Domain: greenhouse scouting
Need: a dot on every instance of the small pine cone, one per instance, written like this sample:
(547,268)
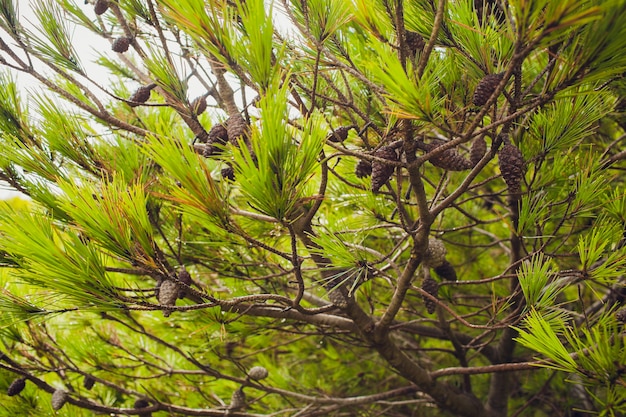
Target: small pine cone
(431,287)
(436,253)
(101,6)
(88,382)
(512,166)
(185,278)
(59,398)
(485,88)
(237,400)
(478,150)
(168,293)
(217,137)
(141,95)
(142,403)
(236,128)
(228,173)
(620,315)
(414,41)
(449,159)
(381,172)
(446,271)
(218,134)
(198,105)
(258,373)
(340,134)
(121,45)
(16,387)
(363,169)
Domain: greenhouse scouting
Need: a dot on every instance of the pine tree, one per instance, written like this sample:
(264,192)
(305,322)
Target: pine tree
(247,195)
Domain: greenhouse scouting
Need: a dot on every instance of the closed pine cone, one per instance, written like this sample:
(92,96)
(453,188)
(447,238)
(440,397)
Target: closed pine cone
(236,127)
(512,166)
(59,398)
(340,134)
(414,41)
(168,293)
(485,88)
(381,172)
(141,95)
(431,287)
(446,271)
(121,45)
(478,149)
(101,6)
(449,159)
(363,168)
(16,387)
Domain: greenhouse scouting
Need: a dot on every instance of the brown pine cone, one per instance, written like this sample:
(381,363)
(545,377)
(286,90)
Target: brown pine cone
(198,105)
(431,287)
(449,159)
(446,271)
(141,95)
(620,315)
(88,382)
(59,398)
(167,295)
(436,253)
(363,168)
(485,88)
(101,6)
(414,41)
(185,278)
(236,127)
(142,403)
(340,134)
(16,387)
(237,400)
(121,45)
(228,173)
(381,172)
(512,166)
(478,150)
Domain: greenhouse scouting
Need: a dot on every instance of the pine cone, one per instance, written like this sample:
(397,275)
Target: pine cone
(431,287)
(185,278)
(446,271)
(340,134)
(236,127)
(620,315)
(228,173)
(363,168)
(414,41)
(59,398)
(142,403)
(101,6)
(218,135)
(478,150)
(381,172)
(512,166)
(237,400)
(88,382)
(16,387)
(198,105)
(168,293)
(258,373)
(121,45)
(436,253)
(485,88)
(449,159)
(141,95)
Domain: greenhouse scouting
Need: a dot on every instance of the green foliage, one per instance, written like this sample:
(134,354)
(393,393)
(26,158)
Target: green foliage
(165,249)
